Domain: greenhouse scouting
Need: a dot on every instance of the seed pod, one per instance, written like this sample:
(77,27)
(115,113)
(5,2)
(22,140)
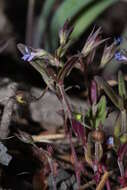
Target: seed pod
(98,136)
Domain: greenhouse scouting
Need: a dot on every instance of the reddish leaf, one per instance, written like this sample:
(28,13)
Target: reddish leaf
(93,92)
(79,130)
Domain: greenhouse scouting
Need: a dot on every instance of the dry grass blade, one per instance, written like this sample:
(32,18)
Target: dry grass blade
(88,185)
(103,181)
(43,137)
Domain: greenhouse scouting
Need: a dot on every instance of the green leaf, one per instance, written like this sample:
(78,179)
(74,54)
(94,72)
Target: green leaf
(71,9)
(121,85)
(97,114)
(67,10)
(49,80)
(89,117)
(86,18)
(123,121)
(123,138)
(116,100)
(117,128)
(121,124)
(101,112)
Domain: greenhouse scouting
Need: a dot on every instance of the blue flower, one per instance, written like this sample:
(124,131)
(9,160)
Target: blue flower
(120,57)
(110,141)
(28,56)
(118,40)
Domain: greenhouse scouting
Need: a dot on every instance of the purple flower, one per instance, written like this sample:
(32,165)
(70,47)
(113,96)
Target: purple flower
(120,57)
(110,141)
(28,56)
(118,40)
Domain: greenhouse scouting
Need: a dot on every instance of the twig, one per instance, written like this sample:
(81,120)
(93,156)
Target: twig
(41,96)
(7,113)
(103,181)
(87,185)
(41,138)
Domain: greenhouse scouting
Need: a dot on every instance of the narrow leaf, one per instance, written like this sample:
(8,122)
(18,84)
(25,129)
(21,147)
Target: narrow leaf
(117,128)
(67,68)
(87,17)
(44,73)
(123,121)
(101,111)
(68,9)
(79,130)
(121,85)
(71,8)
(117,101)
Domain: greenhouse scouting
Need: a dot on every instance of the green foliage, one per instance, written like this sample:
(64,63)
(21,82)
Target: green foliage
(81,13)
(101,111)
(116,99)
(117,128)
(97,114)
(121,85)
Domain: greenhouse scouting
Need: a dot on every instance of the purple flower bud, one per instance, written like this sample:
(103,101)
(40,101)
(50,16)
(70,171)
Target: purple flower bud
(92,42)
(93,92)
(108,54)
(79,130)
(120,57)
(65,32)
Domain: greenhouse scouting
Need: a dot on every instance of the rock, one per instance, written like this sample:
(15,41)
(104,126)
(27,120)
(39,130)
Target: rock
(45,110)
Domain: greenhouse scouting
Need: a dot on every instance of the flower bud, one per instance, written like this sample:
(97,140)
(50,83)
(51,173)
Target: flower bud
(93,92)
(98,135)
(108,54)
(92,42)
(65,33)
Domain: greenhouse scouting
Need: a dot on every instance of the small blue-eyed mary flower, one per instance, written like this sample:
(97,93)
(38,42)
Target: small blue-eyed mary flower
(28,56)
(120,56)
(65,32)
(110,141)
(118,41)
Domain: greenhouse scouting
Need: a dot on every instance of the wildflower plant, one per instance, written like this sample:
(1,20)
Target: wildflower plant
(88,128)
